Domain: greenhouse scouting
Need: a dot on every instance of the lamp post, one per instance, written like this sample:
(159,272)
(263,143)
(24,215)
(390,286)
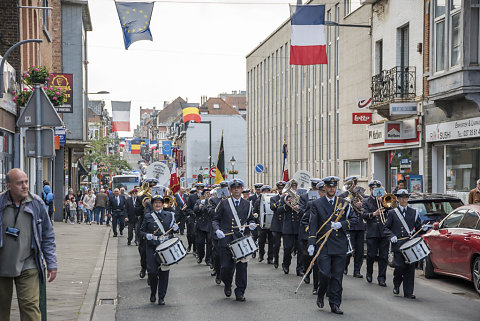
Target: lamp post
(232,161)
(200,175)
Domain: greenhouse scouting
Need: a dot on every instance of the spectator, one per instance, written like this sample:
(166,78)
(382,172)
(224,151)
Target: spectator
(26,238)
(400,185)
(67,213)
(474,195)
(101,203)
(89,203)
(117,211)
(47,197)
(79,201)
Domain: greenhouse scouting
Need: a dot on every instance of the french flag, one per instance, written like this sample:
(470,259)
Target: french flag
(308,44)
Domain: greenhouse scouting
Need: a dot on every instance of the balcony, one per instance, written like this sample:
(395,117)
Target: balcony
(394,85)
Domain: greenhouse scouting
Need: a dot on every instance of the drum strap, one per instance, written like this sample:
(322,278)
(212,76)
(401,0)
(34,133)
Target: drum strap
(402,220)
(235,215)
(160,225)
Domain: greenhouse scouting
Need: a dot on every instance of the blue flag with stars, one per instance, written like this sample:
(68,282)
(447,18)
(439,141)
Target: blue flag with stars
(135,21)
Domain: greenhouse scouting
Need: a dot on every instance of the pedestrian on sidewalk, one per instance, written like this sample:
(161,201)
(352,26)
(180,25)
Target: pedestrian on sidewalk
(66,205)
(26,238)
(89,203)
(47,197)
(101,203)
(70,207)
(117,210)
(79,201)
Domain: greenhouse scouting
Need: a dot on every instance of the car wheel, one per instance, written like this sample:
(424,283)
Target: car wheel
(476,274)
(428,268)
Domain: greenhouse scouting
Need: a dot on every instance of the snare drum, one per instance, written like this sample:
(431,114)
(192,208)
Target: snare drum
(266,214)
(414,250)
(170,252)
(243,247)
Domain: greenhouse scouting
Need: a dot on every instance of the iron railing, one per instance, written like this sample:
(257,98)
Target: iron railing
(393,84)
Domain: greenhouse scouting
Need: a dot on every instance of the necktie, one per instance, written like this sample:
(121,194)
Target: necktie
(331,202)
(118,200)
(236,203)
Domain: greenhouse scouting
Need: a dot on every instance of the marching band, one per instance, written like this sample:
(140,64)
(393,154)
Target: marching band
(322,227)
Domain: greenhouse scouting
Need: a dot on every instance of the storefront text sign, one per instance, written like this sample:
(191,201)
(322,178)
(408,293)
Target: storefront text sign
(403,108)
(460,129)
(64,82)
(361,118)
(376,134)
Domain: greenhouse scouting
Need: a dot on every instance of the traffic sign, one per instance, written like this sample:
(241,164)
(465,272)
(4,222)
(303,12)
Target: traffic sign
(99,176)
(259,168)
(50,117)
(48,148)
(213,171)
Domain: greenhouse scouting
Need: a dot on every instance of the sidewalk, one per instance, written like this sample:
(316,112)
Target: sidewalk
(81,253)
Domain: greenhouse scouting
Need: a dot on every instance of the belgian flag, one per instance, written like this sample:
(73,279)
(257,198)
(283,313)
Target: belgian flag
(220,173)
(191,112)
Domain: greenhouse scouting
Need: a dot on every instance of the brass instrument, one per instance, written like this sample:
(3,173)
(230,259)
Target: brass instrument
(145,190)
(169,200)
(355,195)
(389,201)
(291,199)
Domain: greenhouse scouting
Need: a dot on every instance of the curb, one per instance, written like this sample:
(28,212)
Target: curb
(88,306)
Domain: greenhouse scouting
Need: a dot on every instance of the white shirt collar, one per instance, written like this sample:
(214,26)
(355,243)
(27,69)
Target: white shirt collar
(236,200)
(330,199)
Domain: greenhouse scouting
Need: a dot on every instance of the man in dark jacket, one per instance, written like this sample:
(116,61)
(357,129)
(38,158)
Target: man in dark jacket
(264,234)
(290,228)
(202,235)
(133,208)
(181,198)
(117,210)
(192,200)
(277,222)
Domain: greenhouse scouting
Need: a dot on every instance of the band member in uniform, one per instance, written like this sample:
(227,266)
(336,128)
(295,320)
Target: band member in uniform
(146,208)
(264,234)
(203,223)
(291,225)
(304,211)
(195,194)
(231,213)
(181,198)
(398,234)
(377,241)
(246,194)
(277,222)
(213,204)
(331,260)
(155,234)
(356,232)
(253,198)
(133,209)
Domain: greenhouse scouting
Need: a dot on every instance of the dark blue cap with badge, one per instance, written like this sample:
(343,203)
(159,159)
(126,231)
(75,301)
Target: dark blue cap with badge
(266,187)
(157,198)
(224,184)
(199,185)
(320,185)
(331,181)
(152,181)
(402,193)
(280,184)
(236,183)
(258,185)
(315,181)
(351,178)
(374,183)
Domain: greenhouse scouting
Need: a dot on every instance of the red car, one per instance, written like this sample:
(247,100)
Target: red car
(455,245)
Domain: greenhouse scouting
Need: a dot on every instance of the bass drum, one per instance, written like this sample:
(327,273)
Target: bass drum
(266,214)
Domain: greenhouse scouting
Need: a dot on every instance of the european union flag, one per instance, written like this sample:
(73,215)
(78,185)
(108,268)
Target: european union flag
(135,21)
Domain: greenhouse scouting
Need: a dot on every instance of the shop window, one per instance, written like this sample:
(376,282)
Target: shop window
(462,167)
(356,168)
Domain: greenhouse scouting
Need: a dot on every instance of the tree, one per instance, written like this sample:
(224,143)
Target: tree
(97,153)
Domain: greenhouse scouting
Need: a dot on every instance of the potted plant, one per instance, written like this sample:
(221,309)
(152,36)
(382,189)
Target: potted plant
(36,75)
(56,96)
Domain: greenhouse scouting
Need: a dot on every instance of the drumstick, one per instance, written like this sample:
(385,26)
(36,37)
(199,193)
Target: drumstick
(243,226)
(166,231)
(411,237)
(325,238)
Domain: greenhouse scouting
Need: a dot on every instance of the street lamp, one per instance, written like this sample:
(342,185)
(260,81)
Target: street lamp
(232,161)
(101,92)
(200,176)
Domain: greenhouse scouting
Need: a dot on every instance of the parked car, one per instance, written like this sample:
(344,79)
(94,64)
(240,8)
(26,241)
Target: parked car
(455,246)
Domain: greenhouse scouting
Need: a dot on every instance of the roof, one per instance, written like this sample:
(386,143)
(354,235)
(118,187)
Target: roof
(223,107)
(239,101)
(171,111)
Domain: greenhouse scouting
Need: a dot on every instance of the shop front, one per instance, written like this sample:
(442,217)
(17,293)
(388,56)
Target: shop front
(396,154)
(455,153)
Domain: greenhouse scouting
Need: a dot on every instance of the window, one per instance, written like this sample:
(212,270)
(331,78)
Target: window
(469,220)
(216,106)
(455,42)
(462,167)
(448,33)
(350,5)
(356,167)
(453,220)
(439,16)
(474,32)
(378,56)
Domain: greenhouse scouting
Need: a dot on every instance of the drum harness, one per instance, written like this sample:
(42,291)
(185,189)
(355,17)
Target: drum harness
(235,215)
(160,226)
(402,220)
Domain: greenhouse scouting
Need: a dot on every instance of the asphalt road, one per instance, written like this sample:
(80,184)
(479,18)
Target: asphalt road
(193,295)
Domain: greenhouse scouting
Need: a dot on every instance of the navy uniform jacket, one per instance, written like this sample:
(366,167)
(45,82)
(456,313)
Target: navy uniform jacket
(253,198)
(149,226)
(201,216)
(304,211)
(291,219)
(394,227)
(192,200)
(277,219)
(360,226)
(225,221)
(178,210)
(321,212)
(374,224)
(212,205)
(115,208)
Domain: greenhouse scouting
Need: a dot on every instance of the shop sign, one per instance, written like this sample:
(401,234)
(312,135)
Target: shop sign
(65,83)
(361,118)
(376,134)
(364,104)
(460,129)
(403,108)
(399,130)
(405,163)
(60,132)
(10,85)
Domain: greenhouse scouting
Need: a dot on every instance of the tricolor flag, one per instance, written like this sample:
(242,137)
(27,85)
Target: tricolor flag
(308,44)
(153,144)
(121,116)
(191,112)
(220,173)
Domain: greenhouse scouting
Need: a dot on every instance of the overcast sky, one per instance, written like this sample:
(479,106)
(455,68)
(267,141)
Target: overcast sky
(197,49)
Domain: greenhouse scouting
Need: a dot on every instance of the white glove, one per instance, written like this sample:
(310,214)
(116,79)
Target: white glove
(311,249)
(162,239)
(175,227)
(426,227)
(149,236)
(252,226)
(336,225)
(393,239)
(220,234)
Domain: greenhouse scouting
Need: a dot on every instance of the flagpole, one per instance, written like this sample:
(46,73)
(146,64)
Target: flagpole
(284,158)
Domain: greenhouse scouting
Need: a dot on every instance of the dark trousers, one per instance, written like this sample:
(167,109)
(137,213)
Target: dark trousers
(191,234)
(277,239)
(142,250)
(291,243)
(158,281)
(356,239)
(377,246)
(264,236)
(228,267)
(203,242)
(181,224)
(216,257)
(403,273)
(137,230)
(330,272)
(307,259)
(131,227)
(118,219)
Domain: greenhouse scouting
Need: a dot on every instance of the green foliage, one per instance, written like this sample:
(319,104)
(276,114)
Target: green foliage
(97,152)
(36,75)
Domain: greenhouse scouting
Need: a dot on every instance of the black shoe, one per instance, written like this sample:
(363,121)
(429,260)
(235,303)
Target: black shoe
(213,273)
(254,255)
(307,280)
(369,278)
(260,258)
(114,235)
(228,291)
(218,281)
(345,271)
(181,233)
(315,292)
(199,261)
(396,290)
(335,309)
(269,261)
(275,264)
(142,273)
(189,248)
(285,268)
(152,298)
(320,303)
(240,298)
(299,273)
(161,302)
(382,283)
(129,243)
(410,296)
(121,233)
(136,243)
(358,275)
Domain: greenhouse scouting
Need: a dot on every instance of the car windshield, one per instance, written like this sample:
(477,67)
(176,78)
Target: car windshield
(439,208)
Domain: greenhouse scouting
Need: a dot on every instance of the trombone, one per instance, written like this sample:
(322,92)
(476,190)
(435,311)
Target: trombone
(388,201)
